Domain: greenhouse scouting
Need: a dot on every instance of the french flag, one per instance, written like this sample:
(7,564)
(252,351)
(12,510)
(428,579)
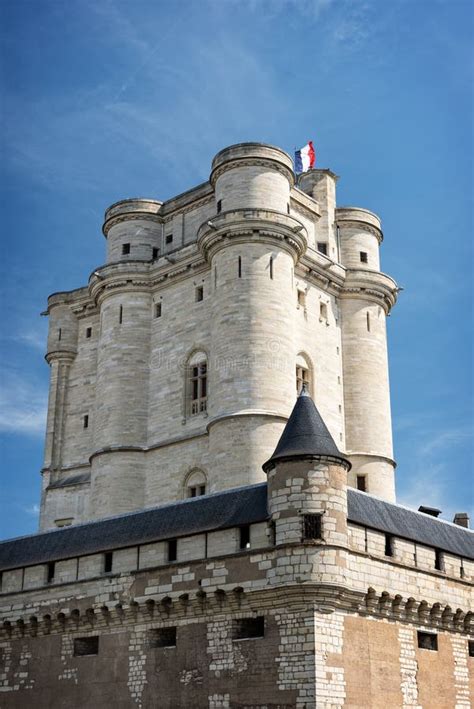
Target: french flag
(305,158)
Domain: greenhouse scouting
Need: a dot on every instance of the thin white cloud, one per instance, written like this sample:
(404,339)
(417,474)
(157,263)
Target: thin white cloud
(32,510)
(23,405)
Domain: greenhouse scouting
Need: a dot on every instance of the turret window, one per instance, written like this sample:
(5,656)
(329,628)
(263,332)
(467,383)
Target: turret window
(244,537)
(323,247)
(323,312)
(219,206)
(362,483)
(195,484)
(157,310)
(155,253)
(427,641)
(169,238)
(199,294)
(88,332)
(196,385)
(312,526)
(302,377)
(85,421)
(301,299)
(364,258)
(303,373)
(125,249)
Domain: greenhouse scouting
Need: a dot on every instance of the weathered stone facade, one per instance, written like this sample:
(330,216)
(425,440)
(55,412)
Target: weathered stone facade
(299,593)
(253,241)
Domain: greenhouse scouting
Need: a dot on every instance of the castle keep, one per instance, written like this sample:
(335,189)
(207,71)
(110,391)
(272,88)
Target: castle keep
(218,523)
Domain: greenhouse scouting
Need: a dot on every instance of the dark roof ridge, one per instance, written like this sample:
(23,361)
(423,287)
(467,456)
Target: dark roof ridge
(410,509)
(154,508)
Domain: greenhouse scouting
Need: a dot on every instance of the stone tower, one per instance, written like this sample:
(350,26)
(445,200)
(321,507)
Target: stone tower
(174,371)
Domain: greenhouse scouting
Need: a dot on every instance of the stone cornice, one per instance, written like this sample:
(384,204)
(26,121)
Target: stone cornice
(360,219)
(256,225)
(370,285)
(198,606)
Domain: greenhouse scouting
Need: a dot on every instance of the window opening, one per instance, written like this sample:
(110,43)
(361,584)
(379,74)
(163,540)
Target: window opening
(50,571)
(161,637)
(362,483)
(364,257)
(86,646)
(108,559)
(125,249)
(388,545)
(302,377)
(323,247)
(427,641)
(247,628)
(198,387)
(312,526)
(172,550)
(244,540)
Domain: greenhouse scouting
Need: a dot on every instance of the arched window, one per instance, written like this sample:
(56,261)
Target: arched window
(196,384)
(195,484)
(303,373)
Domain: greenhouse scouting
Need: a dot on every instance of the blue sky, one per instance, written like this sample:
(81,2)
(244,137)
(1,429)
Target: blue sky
(105,99)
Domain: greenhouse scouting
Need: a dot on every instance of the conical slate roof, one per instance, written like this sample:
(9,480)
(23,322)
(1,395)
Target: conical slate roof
(305,435)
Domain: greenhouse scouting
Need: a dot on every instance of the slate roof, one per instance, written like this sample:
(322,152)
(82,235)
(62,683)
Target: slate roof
(232,508)
(305,434)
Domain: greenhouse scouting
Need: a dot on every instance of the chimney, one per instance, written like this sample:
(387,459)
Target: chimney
(462,519)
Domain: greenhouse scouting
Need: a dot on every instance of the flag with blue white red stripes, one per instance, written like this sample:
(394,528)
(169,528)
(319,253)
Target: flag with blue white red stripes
(305,158)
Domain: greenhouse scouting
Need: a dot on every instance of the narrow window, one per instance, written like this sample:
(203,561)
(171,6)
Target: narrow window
(388,545)
(199,294)
(198,388)
(439,565)
(85,421)
(86,646)
(361,483)
(301,299)
(157,310)
(202,489)
(161,637)
(88,332)
(125,249)
(155,253)
(240,267)
(368,321)
(312,526)
(244,539)
(50,571)
(427,641)
(288,208)
(364,257)
(108,558)
(219,206)
(247,628)
(121,314)
(215,277)
(272,532)
(172,550)
(323,311)
(271,267)
(192,491)
(59,334)
(302,377)
(323,247)
(169,238)
(470,645)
